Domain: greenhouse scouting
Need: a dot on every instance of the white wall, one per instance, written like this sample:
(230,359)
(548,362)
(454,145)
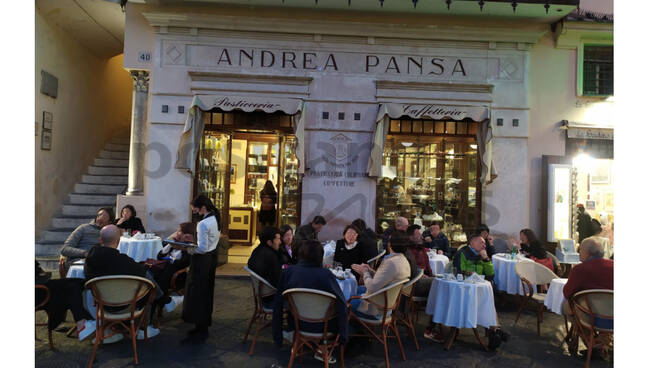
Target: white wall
(92,105)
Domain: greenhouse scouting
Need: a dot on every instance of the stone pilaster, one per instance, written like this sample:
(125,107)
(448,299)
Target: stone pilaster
(138,132)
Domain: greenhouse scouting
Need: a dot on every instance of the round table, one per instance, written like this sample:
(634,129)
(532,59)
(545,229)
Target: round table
(506,278)
(348,286)
(461,304)
(140,249)
(438,262)
(555,297)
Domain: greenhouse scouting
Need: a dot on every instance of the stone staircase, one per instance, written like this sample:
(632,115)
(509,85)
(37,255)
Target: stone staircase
(105,178)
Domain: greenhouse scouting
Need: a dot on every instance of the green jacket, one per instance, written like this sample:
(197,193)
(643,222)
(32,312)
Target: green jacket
(467,261)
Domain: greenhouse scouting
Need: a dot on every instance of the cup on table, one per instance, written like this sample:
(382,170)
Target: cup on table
(459,277)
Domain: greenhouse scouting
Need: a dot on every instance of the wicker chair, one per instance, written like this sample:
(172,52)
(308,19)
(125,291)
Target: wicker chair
(260,289)
(532,274)
(385,300)
(587,307)
(40,307)
(125,292)
(407,313)
(373,262)
(312,306)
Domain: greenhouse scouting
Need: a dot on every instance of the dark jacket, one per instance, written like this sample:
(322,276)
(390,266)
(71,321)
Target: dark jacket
(106,261)
(585,228)
(490,249)
(346,257)
(131,225)
(440,242)
(305,232)
(285,258)
(265,261)
(369,241)
(306,275)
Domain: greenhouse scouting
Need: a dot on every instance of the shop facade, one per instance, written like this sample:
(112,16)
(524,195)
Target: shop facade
(424,125)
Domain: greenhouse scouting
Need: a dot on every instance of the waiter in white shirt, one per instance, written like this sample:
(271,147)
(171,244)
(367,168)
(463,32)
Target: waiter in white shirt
(198,301)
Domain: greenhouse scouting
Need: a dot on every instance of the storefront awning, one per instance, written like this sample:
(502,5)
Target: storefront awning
(585,131)
(387,111)
(193,130)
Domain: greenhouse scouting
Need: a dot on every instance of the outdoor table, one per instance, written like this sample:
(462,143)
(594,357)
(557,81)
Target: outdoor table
(348,286)
(438,262)
(506,278)
(461,304)
(140,249)
(77,271)
(555,296)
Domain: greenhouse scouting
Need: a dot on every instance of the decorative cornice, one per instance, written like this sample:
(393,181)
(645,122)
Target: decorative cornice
(336,28)
(140,80)
(250,79)
(431,86)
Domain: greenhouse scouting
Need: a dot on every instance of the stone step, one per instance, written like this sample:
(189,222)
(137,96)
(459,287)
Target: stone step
(113,154)
(70,222)
(78,210)
(47,249)
(105,179)
(120,140)
(110,162)
(100,200)
(54,236)
(50,264)
(99,188)
(117,147)
(100,170)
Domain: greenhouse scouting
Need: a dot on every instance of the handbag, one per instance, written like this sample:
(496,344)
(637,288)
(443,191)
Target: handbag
(156,265)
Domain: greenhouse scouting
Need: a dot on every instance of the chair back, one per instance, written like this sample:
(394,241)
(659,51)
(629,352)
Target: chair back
(373,261)
(408,288)
(534,273)
(500,245)
(555,263)
(260,288)
(41,293)
(591,304)
(119,290)
(311,305)
(386,298)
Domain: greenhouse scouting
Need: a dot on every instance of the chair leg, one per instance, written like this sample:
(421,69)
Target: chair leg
(341,355)
(294,351)
(133,330)
(398,339)
(453,333)
(98,339)
(387,358)
(481,341)
(256,334)
(590,347)
(412,331)
(247,333)
(50,339)
(520,308)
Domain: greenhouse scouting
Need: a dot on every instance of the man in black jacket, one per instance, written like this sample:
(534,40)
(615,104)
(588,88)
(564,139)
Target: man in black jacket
(311,230)
(265,259)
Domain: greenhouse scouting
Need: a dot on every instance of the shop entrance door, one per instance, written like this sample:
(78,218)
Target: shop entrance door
(235,163)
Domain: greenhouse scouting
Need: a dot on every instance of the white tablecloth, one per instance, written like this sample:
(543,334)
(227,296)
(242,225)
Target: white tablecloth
(506,278)
(461,304)
(438,263)
(555,297)
(140,250)
(78,272)
(348,287)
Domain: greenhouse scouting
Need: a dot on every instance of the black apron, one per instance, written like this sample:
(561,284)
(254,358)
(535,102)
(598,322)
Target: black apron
(198,300)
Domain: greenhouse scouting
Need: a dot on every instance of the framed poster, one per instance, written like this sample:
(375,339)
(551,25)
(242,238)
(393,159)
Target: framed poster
(234,169)
(46,140)
(601,173)
(48,120)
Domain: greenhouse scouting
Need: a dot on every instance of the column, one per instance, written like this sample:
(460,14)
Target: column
(138,132)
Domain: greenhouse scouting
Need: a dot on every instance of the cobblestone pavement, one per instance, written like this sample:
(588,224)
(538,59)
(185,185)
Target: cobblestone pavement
(233,308)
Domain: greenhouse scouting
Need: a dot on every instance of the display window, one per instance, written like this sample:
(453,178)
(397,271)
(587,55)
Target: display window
(240,152)
(431,172)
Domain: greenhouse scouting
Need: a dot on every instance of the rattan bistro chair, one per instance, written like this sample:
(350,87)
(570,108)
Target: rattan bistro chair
(373,262)
(386,300)
(312,306)
(44,292)
(532,274)
(406,313)
(121,301)
(587,306)
(260,289)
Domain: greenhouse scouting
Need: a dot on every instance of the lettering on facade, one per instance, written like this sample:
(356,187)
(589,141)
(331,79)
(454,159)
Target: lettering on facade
(229,104)
(419,111)
(322,61)
(586,133)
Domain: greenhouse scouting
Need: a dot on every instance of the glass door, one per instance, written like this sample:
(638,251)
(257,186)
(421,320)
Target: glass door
(289,208)
(212,170)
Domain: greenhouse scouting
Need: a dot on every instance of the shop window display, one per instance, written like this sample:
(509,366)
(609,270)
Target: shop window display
(430,173)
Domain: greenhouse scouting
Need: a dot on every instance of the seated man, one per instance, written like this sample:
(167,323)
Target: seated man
(309,231)
(105,260)
(436,239)
(85,236)
(400,225)
(594,272)
(484,232)
(309,274)
(473,258)
(265,260)
(417,249)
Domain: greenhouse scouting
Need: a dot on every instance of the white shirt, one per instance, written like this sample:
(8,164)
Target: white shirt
(208,235)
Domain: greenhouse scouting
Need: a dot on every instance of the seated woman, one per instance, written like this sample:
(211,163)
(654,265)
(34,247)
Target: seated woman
(349,251)
(538,254)
(178,259)
(128,220)
(396,267)
(286,248)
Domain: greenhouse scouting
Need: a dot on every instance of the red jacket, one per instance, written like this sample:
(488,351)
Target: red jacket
(421,259)
(547,262)
(596,273)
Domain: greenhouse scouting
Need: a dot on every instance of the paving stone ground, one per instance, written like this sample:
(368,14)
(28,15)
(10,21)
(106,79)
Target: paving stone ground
(233,308)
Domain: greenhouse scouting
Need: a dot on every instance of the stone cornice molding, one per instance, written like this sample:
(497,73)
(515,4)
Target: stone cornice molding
(250,79)
(570,35)
(140,80)
(163,20)
(431,86)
